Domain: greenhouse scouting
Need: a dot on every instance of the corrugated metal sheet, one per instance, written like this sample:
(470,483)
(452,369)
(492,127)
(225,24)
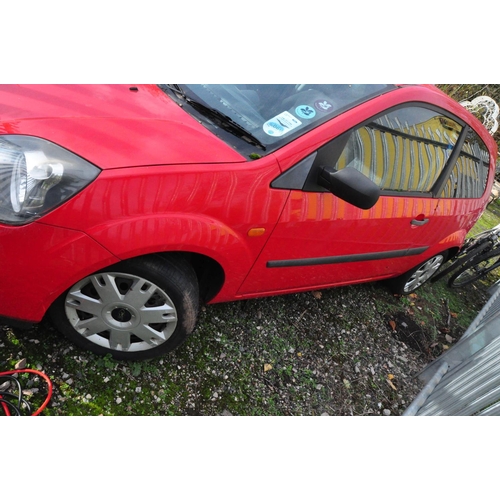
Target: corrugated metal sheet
(465,380)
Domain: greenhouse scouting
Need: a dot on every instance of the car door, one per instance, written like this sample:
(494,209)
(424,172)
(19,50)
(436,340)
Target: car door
(321,240)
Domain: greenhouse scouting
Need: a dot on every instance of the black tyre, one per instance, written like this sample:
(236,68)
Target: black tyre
(475,270)
(463,258)
(137,309)
(416,277)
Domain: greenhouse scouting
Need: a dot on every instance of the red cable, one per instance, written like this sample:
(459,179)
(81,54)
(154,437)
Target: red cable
(5,408)
(36,372)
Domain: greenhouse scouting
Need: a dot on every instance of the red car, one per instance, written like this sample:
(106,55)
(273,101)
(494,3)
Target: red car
(122,207)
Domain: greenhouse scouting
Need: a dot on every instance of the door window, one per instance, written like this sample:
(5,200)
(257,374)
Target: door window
(404,150)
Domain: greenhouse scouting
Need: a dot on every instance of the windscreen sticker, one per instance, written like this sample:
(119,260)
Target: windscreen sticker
(323,105)
(305,111)
(281,124)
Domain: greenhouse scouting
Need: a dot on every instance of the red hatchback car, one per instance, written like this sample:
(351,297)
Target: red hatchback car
(122,208)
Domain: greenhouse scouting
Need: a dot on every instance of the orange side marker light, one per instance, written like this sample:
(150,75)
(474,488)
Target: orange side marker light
(256,231)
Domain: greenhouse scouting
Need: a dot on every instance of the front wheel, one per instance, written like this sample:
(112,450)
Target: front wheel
(134,310)
(416,277)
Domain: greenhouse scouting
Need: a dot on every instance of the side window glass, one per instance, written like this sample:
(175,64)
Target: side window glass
(470,174)
(404,150)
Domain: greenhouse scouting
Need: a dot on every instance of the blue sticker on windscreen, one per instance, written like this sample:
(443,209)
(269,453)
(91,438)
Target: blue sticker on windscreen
(305,111)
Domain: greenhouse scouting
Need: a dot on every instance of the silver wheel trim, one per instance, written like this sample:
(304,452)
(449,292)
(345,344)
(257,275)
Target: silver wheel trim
(423,273)
(125,313)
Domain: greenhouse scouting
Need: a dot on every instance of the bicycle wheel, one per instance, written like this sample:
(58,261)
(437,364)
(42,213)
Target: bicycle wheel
(476,269)
(467,254)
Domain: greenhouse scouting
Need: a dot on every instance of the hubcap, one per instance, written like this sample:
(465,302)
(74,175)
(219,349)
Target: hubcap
(121,315)
(121,312)
(423,273)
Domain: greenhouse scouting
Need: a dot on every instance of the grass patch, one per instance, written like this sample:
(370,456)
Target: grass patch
(489,219)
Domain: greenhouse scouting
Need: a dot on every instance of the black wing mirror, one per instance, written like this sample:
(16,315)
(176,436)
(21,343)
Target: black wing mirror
(350,185)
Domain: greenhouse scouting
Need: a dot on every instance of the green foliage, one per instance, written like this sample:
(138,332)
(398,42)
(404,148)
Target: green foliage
(467,92)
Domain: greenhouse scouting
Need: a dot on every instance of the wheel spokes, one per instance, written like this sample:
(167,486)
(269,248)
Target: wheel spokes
(150,335)
(91,326)
(84,303)
(119,340)
(106,287)
(139,293)
(423,273)
(160,314)
(121,311)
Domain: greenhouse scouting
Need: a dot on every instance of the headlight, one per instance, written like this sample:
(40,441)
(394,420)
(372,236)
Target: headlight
(36,176)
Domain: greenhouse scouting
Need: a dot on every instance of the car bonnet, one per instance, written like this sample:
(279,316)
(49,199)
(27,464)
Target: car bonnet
(111,126)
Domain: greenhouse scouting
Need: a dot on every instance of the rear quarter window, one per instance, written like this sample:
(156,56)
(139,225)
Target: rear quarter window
(469,175)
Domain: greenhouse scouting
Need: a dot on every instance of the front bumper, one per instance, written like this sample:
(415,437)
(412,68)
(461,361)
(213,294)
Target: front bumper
(16,323)
(38,263)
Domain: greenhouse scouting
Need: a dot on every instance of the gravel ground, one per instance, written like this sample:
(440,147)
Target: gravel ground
(347,351)
(318,359)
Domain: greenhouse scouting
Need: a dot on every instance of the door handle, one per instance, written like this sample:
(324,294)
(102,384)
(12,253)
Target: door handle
(419,222)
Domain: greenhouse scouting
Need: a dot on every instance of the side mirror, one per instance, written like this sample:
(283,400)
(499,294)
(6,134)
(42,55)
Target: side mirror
(350,185)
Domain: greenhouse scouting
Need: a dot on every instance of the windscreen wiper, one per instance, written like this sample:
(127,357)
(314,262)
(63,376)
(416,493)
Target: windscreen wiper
(216,117)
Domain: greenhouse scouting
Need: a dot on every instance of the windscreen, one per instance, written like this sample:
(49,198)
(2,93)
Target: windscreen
(275,114)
